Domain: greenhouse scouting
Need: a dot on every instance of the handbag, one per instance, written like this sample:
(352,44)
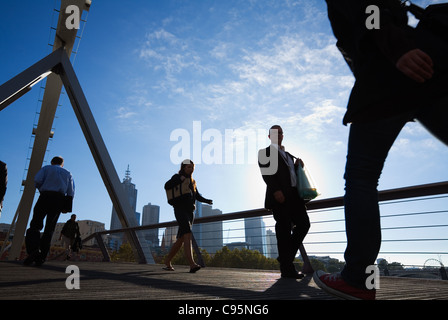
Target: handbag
(305,185)
(67,205)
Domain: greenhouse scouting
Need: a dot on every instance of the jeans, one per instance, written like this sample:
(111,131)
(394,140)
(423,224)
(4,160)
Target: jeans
(368,147)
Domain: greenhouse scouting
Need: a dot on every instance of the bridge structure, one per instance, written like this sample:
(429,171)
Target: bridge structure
(105,279)
(58,70)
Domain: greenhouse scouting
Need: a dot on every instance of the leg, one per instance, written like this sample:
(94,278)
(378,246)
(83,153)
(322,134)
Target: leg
(301,225)
(283,228)
(68,245)
(50,225)
(54,205)
(32,239)
(188,250)
(174,249)
(368,147)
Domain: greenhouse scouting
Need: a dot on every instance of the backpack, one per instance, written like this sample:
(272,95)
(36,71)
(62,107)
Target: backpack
(178,192)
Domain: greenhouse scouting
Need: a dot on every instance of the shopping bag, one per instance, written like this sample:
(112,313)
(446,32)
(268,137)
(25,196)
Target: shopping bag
(305,185)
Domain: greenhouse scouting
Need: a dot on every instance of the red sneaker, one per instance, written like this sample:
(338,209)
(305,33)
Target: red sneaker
(335,285)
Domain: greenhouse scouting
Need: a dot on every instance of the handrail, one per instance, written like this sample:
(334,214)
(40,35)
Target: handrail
(384,195)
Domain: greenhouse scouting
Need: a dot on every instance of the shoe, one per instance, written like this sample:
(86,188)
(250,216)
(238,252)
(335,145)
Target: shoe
(32,257)
(195,268)
(293,275)
(168,268)
(289,271)
(39,261)
(335,285)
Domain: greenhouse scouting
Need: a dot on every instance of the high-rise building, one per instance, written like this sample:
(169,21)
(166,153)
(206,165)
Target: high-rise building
(209,236)
(131,195)
(115,240)
(271,245)
(255,234)
(151,214)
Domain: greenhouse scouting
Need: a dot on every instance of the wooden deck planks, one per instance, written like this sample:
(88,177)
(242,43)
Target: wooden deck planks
(110,281)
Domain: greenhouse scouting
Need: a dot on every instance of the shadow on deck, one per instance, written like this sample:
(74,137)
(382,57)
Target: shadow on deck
(127,281)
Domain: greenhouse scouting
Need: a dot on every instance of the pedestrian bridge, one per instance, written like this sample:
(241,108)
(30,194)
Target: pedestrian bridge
(108,280)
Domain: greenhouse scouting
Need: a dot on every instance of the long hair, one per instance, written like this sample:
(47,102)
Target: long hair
(182,172)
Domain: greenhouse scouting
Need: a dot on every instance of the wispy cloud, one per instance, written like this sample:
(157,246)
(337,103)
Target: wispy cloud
(280,72)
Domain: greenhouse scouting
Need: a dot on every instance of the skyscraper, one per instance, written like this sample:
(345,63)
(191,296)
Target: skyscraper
(271,245)
(209,236)
(255,234)
(131,192)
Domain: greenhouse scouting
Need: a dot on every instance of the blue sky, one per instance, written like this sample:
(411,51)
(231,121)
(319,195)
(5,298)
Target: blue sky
(149,68)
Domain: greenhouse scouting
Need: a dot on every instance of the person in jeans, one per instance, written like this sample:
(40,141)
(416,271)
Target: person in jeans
(397,81)
(69,232)
(54,184)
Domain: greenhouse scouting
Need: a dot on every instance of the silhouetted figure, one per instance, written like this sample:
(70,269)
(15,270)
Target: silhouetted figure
(397,81)
(55,184)
(3,182)
(292,223)
(184,205)
(69,233)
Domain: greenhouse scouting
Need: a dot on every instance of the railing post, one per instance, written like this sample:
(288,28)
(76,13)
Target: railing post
(307,268)
(443,274)
(197,251)
(99,240)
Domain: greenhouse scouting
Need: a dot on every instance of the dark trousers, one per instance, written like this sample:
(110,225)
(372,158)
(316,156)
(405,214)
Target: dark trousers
(292,225)
(368,147)
(48,205)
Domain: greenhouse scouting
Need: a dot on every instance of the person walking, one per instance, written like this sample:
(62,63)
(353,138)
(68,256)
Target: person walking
(56,188)
(183,203)
(292,222)
(69,233)
(3,183)
(397,81)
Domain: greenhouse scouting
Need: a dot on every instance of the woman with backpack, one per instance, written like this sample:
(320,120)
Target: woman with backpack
(182,194)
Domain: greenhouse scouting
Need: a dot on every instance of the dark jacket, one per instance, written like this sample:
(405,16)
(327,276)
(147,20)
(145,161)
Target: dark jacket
(279,179)
(71,229)
(188,200)
(3,180)
(380,89)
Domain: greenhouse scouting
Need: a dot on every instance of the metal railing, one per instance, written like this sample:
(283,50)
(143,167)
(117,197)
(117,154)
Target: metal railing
(393,196)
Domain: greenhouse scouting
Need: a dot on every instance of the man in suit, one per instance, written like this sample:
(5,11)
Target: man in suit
(292,223)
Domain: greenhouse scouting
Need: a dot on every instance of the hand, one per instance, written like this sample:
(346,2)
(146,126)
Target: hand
(182,178)
(416,65)
(279,196)
(210,202)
